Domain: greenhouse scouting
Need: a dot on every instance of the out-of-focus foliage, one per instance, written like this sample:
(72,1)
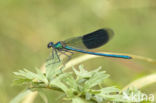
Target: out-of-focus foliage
(26,26)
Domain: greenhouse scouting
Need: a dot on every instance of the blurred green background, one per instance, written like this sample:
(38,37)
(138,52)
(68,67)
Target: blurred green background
(26,26)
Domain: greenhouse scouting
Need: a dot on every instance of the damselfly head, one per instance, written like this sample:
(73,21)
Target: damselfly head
(50,44)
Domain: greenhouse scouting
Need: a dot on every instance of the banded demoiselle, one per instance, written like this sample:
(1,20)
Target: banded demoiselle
(84,43)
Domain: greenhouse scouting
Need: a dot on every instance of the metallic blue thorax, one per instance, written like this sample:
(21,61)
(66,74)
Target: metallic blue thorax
(58,45)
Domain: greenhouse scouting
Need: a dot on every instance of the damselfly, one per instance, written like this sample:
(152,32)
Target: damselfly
(84,43)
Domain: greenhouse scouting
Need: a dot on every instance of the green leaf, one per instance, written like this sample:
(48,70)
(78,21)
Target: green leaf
(21,81)
(82,73)
(52,71)
(41,76)
(70,82)
(109,90)
(111,94)
(53,67)
(78,100)
(58,82)
(26,74)
(96,79)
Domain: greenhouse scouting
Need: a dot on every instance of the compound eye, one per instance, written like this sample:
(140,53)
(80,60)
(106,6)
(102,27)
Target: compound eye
(50,45)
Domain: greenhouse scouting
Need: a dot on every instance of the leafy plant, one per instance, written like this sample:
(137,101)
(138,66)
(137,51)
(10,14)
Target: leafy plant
(79,86)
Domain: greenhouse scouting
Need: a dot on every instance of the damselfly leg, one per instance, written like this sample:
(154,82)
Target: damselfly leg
(53,58)
(64,52)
